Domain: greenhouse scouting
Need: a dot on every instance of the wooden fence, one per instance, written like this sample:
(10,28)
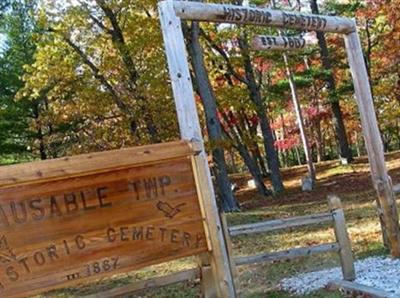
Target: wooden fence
(342,245)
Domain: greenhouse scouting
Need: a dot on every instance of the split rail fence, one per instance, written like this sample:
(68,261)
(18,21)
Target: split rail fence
(336,216)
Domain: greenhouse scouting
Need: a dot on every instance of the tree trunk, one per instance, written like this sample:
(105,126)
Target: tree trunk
(299,161)
(317,128)
(255,96)
(233,162)
(300,120)
(253,169)
(340,130)
(285,152)
(207,95)
(237,136)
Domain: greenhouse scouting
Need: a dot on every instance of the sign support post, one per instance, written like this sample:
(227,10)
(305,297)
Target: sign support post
(190,130)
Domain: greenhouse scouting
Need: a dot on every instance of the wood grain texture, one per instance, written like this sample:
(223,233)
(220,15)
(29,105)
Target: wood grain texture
(72,166)
(190,130)
(373,143)
(151,283)
(287,254)
(225,13)
(54,233)
(342,237)
(358,289)
(280,224)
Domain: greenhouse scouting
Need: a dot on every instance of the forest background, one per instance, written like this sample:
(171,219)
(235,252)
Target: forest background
(80,76)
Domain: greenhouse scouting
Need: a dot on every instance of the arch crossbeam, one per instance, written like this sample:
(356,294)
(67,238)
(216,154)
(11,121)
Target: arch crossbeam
(235,14)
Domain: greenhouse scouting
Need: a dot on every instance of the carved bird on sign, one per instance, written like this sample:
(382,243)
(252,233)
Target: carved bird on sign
(168,210)
(6,254)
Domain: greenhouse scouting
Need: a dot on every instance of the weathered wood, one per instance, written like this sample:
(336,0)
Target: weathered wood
(225,13)
(342,237)
(373,143)
(280,43)
(151,283)
(91,163)
(279,224)
(229,247)
(190,130)
(219,257)
(357,289)
(58,233)
(287,254)
(207,279)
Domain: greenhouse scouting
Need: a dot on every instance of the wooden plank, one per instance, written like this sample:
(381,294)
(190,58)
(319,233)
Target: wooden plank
(229,247)
(358,289)
(287,254)
(190,130)
(279,224)
(225,13)
(207,280)
(147,284)
(373,142)
(220,261)
(58,233)
(280,43)
(342,237)
(73,166)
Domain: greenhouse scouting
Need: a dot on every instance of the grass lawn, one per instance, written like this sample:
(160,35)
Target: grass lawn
(351,183)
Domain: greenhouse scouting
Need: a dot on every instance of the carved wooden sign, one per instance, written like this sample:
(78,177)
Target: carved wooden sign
(264,42)
(80,218)
(226,13)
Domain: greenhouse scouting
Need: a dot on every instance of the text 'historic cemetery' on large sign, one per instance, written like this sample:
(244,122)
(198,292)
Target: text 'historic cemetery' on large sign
(81,218)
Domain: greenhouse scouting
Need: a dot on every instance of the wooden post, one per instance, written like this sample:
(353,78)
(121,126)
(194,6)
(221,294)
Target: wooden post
(207,280)
(342,237)
(373,142)
(190,130)
(229,246)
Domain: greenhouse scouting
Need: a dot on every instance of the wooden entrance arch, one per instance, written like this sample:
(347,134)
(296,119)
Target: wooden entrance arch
(173,12)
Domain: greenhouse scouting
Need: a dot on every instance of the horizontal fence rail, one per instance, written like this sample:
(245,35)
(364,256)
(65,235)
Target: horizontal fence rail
(287,254)
(225,13)
(342,246)
(357,289)
(280,224)
(150,283)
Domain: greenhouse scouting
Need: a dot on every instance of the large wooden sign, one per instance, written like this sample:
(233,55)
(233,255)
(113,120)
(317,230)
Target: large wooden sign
(75,219)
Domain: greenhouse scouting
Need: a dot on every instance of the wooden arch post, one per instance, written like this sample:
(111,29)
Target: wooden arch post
(172,12)
(190,130)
